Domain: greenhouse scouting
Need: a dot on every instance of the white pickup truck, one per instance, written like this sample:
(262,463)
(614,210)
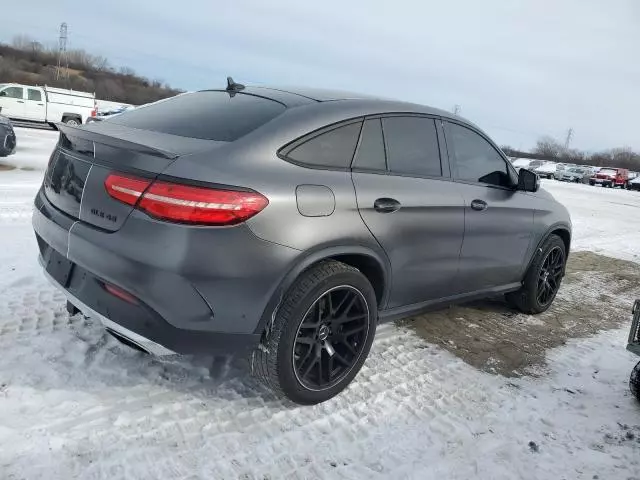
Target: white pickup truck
(46,104)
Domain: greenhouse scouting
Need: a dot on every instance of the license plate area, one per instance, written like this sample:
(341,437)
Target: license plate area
(59,267)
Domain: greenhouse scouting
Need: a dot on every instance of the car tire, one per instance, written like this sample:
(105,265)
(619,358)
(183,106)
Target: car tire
(634,381)
(529,298)
(72,121)
(275,361)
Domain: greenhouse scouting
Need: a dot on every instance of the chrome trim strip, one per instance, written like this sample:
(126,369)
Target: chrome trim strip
(143,342)
(84,189)
(69,237)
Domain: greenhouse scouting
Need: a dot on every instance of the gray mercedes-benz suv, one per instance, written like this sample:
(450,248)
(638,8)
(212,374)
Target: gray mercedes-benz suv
(286,224)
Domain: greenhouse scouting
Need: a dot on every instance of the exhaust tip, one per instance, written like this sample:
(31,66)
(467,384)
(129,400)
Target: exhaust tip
(127,341)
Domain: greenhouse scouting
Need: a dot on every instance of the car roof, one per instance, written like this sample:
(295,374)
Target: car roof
(297,96)
(315,94)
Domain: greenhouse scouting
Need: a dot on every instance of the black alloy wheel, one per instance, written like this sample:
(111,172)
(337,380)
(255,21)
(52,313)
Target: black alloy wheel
(331,338)
(550,276)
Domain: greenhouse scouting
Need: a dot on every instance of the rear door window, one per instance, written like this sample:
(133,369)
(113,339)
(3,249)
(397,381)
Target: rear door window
(208,115)
(35,95)
(332,149)
(370,154)
(412,146)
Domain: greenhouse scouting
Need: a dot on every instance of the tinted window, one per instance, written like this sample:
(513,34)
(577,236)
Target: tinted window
(35,95)
(412,145)
(208,115)
(13,92)
(370,154)
(331,149)
(476,160)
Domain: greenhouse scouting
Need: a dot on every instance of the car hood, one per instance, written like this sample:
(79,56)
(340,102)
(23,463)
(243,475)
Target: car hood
(545,194)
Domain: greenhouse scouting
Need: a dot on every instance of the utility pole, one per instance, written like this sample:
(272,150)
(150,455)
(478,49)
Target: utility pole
(456,109)
(62,51)
(567,141)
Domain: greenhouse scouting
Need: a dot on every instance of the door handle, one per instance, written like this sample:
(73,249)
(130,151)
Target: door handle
(41,104)
(479,205)
(386,205)
(20,101)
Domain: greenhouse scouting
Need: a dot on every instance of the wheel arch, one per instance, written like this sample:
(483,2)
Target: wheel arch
(373,265)
(560,229)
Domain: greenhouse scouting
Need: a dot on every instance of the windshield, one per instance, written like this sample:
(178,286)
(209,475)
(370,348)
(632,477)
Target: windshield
(608,171)
(576,170)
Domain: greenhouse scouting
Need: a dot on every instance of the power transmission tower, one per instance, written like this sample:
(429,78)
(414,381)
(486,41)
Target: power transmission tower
(62,51)
(456,109)
(567,141)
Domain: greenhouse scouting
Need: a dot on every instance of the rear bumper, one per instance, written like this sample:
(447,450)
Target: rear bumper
(147,331)
(198,290)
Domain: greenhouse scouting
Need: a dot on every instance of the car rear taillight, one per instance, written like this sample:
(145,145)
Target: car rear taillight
(181,203)
(126,189)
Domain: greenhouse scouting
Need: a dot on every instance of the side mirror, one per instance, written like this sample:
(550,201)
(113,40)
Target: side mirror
(3,94)
(528,181)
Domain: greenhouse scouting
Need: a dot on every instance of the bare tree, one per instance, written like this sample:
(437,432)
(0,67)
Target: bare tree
(127,71)
(549,147)
(22,42)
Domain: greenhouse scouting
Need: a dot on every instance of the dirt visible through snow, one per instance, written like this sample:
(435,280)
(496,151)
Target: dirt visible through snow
(597,294)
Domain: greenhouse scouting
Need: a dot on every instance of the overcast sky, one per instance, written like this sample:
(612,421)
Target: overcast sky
(518,68)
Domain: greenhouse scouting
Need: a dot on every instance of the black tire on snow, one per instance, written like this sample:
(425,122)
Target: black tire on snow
(634,381)
(526,299)
(272,361)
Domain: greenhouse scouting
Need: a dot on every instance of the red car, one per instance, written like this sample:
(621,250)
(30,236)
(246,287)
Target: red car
(611,177)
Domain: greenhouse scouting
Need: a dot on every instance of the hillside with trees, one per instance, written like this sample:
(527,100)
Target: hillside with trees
(29,62)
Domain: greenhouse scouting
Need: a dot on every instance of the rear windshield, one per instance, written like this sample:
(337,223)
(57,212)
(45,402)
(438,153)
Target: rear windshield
(208,115)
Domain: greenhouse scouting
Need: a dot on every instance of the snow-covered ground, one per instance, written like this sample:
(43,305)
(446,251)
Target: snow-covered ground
(74,403)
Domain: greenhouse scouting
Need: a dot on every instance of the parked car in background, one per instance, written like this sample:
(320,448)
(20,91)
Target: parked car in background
(46,104)
(634,184)
(294,226)
(528,163)
(547,170)
(102,115)
(535,164)
(611,177)
(7,137)
(575,175)
(520,163)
